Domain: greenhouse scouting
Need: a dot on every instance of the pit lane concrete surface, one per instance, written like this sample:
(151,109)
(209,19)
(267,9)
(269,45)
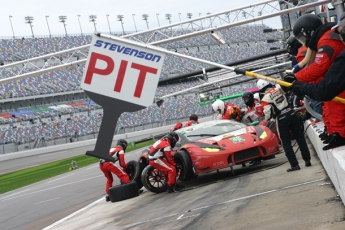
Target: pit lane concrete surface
(260,197)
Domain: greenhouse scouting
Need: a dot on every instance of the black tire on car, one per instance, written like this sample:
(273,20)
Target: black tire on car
(154,180)
(123,191)
(182,158)
(134,172)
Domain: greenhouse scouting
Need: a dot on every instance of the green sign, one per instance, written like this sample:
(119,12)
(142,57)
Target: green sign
(220,98)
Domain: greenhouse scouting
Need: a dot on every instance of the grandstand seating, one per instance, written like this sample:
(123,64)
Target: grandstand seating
(81,118)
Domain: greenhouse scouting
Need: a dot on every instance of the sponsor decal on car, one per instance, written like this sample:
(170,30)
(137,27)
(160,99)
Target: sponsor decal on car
(219,163)
(237,139)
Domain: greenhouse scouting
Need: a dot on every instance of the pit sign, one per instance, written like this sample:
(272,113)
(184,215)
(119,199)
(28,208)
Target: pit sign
(122,70)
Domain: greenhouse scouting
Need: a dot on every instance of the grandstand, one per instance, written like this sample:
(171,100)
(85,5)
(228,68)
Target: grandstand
(32,115)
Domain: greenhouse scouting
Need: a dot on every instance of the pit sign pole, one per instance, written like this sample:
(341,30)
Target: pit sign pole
(121,77)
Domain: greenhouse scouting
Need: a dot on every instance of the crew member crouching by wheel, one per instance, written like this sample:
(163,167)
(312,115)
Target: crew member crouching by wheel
(161,159)
(108,167)
(253,113)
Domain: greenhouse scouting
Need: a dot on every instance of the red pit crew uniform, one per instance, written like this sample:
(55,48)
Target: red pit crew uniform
(160,150)
(109,167)
(301,53)
(254,113)
(329,47)
(229,110)
(190,123)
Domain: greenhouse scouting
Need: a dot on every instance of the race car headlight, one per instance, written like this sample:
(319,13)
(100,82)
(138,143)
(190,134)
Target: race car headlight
(263,135)
(211,149)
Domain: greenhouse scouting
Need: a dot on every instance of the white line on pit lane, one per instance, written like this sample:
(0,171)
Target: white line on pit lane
(73,214)
(48,200)
(181,217)
(43,190)
(60,178)
(15,193)
(45,155)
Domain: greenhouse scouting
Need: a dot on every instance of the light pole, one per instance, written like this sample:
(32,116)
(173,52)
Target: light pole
(29,20)
(81,31)
(134,23)
(260,14)
(50,35)
(158,20)
(11,26)
(179,15)
(108,23)
(228,16)
(93,19)
(120,19)
(210,19)
(168,16)
(63,20)
(189,15)
(145,16)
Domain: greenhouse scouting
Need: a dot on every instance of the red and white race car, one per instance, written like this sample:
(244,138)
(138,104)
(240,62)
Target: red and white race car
(215,145)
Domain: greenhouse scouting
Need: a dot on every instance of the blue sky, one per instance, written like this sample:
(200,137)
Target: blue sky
(38,9)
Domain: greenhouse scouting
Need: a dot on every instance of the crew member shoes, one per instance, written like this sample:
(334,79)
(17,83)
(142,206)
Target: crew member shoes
(335,141)
(175,188)
(293,168)
(107,198)
(307,164)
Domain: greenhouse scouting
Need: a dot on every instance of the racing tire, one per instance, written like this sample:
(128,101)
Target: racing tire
(182,159)
(134,172)
(123,191)
(154,180)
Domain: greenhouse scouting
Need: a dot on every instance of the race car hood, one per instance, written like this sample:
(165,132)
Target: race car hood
(254,133)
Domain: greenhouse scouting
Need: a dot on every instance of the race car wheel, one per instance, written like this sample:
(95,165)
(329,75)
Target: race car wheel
(182,159)
(154,180)
(134,172)
(123,191)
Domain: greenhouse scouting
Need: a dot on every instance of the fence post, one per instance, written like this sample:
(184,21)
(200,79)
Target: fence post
(32,126)
(3,141)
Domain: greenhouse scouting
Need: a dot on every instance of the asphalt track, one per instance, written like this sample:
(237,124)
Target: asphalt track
(260,197)
(254,195)
(41,204)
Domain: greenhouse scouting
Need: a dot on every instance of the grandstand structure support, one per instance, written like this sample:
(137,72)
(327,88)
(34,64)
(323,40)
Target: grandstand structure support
(269,8)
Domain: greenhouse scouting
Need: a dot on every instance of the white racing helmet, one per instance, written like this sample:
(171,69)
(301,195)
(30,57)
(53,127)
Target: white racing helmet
(218,105)
(262,84)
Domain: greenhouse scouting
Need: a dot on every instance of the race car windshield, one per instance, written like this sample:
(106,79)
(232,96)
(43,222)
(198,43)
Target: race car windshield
(214,130)
(203,135)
